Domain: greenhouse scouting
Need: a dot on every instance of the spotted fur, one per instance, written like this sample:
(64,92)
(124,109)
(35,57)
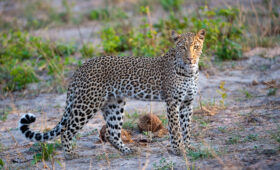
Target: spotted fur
(103,83)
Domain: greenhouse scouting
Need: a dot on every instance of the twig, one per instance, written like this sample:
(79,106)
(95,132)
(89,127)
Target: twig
(150,25)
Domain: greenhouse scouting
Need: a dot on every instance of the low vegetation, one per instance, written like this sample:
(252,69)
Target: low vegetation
(163,164)
(44,152)
(275,135)
(23,58)
(2,164)
(200,154)
(130,121)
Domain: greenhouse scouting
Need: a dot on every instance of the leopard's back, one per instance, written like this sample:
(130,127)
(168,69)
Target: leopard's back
(129,77)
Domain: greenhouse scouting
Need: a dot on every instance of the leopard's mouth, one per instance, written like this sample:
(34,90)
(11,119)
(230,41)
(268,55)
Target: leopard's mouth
(191,61)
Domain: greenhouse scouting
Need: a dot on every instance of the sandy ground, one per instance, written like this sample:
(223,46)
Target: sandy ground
(249,111)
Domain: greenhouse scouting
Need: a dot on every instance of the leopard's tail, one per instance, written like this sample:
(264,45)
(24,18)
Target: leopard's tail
(29,118)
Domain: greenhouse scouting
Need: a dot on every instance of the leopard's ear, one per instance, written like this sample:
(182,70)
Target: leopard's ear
(201,34)
(174,35)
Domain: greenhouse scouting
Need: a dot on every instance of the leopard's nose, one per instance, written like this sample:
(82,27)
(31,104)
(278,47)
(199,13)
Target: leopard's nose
(193,61)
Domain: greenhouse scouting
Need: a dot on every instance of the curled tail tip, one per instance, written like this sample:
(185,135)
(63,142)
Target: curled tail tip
(27,119)
(24,123)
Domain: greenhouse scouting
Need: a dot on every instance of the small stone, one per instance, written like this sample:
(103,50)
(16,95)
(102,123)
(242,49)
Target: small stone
(254,82)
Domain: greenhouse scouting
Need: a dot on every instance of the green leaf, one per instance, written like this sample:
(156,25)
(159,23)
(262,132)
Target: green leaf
(2,163)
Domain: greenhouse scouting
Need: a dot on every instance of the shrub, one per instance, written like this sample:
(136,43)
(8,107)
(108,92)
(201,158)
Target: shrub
(110,40)
(46,152)
(113,42)
(88,50)
(141,44)
(200,154)
(223,33)
(17,77)
(2,164)
(173,22)
(107,14)
(15,74)
(14,44)
(22,55)
(145,40)
(99,14)
(171,5)
(229,50)
(65,49)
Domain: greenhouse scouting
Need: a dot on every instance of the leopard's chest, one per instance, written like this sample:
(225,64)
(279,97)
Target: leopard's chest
(185,86)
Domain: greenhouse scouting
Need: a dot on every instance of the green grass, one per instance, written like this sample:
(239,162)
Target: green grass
(23,57)
(134,116)
(111,41)
(163,164)
(130,121)
(199,154)
(44,152)
(223,93)
(33,21)
(203,123)
(2,163)
(171,5)
(163,119)
(272,91)
(275,135)
(147,133)
(235,139)
(107,14)
(109,156)
(251,138)
(4,113)
(1,147)
(129,125)
(247,94)
(222,129)
(88,51)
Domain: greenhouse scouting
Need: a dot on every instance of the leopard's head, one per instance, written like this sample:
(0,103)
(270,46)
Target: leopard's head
(189,46)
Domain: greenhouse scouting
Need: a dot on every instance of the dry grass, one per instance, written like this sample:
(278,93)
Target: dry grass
(261,23)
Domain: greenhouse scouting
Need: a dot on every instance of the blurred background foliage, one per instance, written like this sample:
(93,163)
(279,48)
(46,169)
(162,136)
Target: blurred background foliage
(119,27)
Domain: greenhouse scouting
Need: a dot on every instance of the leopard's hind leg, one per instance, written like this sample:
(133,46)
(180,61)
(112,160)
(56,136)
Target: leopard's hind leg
(113,112)
(82,111)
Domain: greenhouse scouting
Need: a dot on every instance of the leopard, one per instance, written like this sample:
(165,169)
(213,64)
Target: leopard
(104,84)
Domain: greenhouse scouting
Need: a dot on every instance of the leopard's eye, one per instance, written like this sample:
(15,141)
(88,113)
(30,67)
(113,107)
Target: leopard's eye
(196,47)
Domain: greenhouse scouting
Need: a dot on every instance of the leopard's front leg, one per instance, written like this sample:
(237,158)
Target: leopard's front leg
(174,127)
(186,111)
